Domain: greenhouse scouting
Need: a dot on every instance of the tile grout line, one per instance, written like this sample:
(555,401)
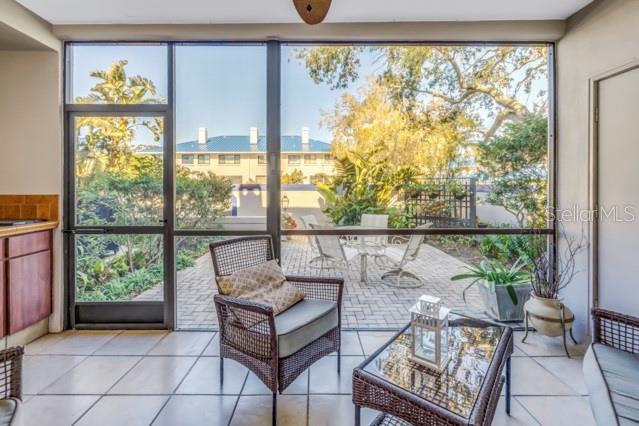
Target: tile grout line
(86,356)
(361,345)
(237,401)
(206,346)
(557,377)
(160,410)
(172,394)
(75,422)
(517,401)
(308,397)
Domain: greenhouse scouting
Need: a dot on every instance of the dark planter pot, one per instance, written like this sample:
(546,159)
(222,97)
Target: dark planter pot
(460,197)
(433,195)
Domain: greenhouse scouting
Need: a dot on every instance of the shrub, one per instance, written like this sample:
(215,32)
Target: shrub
(508,248)
(364,184)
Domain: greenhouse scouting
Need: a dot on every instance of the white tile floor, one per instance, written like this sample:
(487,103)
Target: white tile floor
(141,378)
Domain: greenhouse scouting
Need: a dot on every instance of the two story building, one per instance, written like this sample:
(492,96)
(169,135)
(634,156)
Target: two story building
(242,159)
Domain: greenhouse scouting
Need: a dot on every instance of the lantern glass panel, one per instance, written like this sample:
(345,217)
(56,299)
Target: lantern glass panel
(444,340)
(425,344)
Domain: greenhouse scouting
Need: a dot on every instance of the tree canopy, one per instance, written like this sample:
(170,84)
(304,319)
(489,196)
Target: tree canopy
(515,163)
(486,84)
(370,123)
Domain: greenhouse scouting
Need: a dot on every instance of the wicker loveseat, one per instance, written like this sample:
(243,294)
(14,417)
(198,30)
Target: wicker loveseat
(11,386)
(277,348)
(611,368)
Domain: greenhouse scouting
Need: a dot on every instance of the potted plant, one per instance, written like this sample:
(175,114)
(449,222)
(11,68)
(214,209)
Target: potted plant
(456,189)
(503,290)
(288,222)
(545,311)
(432,188)
(414,189)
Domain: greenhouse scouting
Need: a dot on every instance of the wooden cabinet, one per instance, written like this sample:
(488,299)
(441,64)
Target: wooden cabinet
(3,292)
(25,280)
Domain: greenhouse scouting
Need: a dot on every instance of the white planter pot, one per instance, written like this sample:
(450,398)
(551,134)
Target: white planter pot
(498,303)
(545,315)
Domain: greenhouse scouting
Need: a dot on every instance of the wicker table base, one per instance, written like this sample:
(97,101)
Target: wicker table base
(466,393)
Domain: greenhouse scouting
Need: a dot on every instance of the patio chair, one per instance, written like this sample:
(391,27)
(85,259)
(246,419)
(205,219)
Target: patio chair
(307,221)
(375,245)
(398,266)
(334,255)
(11,386)
(277,348)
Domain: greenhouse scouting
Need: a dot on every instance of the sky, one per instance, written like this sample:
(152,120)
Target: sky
(223,87)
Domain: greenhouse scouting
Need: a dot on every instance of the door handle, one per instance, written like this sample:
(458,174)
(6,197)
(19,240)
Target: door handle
(85,231)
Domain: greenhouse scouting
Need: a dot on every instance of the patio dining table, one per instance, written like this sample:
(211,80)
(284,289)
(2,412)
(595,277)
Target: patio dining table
(363,246)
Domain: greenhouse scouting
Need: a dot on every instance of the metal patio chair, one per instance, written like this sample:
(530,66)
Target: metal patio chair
(277,348)
(333,254)
(308,221)
(393,277)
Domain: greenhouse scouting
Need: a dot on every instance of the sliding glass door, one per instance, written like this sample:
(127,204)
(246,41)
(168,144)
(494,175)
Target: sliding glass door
(118,126)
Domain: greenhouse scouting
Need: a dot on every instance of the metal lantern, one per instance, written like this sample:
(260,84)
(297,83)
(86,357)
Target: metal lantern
(429,323)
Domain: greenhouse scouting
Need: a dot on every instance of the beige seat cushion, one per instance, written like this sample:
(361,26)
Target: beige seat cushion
(263,283)
(10,412)
(303,324)
(612,378)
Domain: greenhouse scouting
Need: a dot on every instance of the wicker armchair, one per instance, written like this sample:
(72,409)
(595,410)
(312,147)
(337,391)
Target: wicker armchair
(11,386)
(249,332)
(611,368)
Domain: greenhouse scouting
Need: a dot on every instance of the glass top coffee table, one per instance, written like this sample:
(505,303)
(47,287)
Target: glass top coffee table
(465,393)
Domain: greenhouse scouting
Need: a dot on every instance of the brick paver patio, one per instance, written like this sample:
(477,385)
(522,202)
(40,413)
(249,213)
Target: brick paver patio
(369,305)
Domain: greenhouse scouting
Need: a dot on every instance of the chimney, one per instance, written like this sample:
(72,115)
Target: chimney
(304,136)
(254,135)
(202,135)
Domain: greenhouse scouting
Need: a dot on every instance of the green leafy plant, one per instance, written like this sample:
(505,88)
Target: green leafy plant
(288,222)
(363,184)
(432,188)
(456,188)
(507,249)
(515,165)
(399,218)
(496,274)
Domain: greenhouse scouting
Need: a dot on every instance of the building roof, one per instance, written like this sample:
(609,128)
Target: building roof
(237,144)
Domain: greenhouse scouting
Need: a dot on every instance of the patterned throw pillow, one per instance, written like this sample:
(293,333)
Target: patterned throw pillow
(263,283)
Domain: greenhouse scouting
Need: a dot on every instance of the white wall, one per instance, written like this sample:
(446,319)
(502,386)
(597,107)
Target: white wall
(31,123)
(600,38)
(24,21)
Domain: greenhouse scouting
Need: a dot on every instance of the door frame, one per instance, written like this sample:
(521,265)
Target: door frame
(593,166)
(124,314)
(129,314)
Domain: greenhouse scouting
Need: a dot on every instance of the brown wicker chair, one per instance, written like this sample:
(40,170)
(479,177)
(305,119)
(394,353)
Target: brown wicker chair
(11,385)
(258,345)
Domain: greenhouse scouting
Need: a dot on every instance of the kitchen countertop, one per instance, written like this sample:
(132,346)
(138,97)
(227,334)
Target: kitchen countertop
(11,231)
